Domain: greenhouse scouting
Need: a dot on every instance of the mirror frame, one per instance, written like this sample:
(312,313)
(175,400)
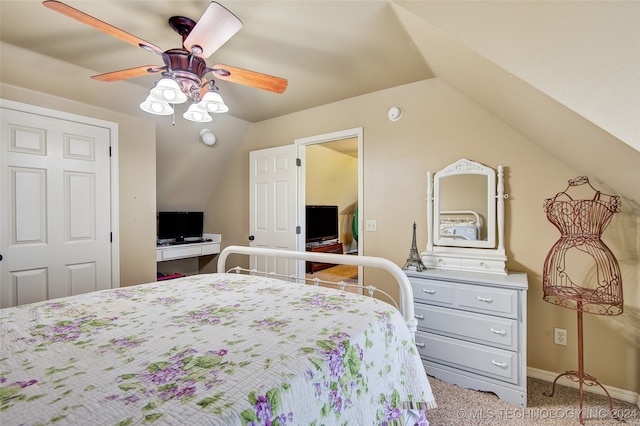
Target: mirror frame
(490,260)
(459,168)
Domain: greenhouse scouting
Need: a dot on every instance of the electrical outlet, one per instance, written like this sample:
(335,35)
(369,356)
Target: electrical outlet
(560,336)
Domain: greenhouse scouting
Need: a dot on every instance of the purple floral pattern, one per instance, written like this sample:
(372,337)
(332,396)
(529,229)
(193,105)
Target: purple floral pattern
(72,330)
(178,350)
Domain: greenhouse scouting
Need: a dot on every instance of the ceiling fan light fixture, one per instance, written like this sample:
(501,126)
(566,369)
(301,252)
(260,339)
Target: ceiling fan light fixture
(212,102)
(184,70)
(168,90)
(154,106)
(197,114)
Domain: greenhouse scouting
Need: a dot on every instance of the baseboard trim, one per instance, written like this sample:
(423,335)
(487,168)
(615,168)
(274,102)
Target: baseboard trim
(617,393)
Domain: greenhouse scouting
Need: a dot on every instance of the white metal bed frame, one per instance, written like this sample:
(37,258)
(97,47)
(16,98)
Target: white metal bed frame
(406,292)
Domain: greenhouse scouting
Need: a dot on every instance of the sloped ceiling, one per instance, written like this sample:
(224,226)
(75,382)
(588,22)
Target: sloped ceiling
(527,63)
(328,50)
(583,54)
(565,74)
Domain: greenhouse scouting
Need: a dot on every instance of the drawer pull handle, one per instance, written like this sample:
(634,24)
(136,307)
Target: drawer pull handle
(500,332)
(499,364)
(420,317)
(420,345)
(485,299)
(429,291)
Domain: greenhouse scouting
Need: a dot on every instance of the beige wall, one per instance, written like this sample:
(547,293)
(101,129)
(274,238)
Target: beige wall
(439,126)
(137,173)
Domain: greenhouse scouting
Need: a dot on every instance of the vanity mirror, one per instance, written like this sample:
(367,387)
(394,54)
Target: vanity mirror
(465,218)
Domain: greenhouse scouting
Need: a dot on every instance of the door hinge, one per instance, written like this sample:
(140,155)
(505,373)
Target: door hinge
(298,230)
(109,151)
(298,162)
(110,237)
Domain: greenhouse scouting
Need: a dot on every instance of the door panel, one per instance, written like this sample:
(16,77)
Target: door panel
(28,191)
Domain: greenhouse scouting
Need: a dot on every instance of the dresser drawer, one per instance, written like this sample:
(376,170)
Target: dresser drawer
(488,299)
(442,262)
(479,328)
(180,252)
(481,265)
(210,248)
(471,357)
(432,291)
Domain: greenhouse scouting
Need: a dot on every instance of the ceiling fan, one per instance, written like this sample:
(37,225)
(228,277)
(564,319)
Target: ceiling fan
(184,68)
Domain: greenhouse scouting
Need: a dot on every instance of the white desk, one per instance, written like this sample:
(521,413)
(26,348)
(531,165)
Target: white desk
(183,251)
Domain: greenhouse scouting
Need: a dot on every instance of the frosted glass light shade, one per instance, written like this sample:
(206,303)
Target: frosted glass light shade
(168,90)
(195,113)
(212,102)
(154,106)
(207,137)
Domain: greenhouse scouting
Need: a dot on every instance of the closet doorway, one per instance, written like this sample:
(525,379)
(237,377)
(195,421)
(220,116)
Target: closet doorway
(332,165)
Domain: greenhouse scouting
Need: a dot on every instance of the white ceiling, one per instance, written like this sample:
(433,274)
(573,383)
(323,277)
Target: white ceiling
(327,50)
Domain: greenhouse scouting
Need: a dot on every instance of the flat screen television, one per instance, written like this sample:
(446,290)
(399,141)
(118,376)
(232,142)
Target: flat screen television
(321,223)
(179,226)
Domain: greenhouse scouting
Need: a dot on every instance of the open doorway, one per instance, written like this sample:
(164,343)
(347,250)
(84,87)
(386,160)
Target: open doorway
(331,190)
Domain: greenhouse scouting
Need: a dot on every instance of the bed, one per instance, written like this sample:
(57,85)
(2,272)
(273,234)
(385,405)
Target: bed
(216,349)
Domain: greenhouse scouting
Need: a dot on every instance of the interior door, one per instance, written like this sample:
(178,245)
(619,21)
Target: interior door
(55,213)
(273,218)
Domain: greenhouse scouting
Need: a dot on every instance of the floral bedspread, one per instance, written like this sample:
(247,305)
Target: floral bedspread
(215,349)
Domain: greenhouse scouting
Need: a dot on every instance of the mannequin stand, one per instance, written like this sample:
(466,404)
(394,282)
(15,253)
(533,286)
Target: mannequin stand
(580,376)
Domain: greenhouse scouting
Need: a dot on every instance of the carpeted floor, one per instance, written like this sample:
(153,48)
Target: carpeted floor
(458,406)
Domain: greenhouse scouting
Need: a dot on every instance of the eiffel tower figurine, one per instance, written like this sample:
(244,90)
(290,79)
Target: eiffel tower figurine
(414,257)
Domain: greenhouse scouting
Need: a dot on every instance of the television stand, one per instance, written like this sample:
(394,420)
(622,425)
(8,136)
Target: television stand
(335,248)
(182,250)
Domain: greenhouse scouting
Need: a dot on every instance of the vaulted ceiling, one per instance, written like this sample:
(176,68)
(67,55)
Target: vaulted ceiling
(328,50)
(570,65)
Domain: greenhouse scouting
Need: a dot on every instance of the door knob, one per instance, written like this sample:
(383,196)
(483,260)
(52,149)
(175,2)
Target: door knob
(251,238)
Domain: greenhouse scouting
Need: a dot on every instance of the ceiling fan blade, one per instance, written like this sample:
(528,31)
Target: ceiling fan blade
(100,25)
(128,73)
(215,27)
(250,78)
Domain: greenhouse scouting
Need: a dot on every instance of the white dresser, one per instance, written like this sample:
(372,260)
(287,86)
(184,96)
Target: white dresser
(472,329)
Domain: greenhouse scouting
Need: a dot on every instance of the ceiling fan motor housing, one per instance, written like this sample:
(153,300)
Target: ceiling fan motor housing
(188,69)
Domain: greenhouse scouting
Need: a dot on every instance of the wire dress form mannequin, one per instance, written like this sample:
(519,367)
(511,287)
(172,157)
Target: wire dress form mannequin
(580,272)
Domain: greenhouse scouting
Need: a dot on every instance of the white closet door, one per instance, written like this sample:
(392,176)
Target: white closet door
(55,208)
(273,205)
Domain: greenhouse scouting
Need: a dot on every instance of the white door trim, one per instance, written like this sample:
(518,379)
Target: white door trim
(113,135)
